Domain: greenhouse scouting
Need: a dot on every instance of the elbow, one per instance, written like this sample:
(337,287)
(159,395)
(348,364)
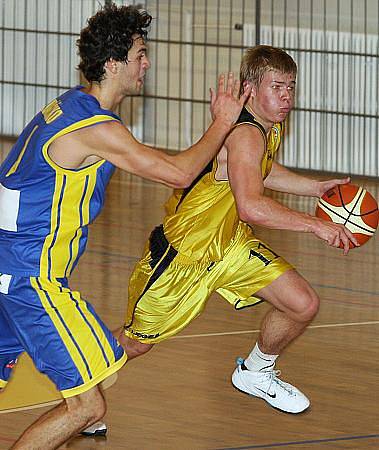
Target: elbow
(250,214)
(244,214)
(182,181)
(187,180)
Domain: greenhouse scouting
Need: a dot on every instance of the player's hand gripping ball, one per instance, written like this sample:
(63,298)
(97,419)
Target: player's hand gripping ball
(352,206)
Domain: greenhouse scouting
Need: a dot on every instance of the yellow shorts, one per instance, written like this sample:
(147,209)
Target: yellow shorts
(165,296)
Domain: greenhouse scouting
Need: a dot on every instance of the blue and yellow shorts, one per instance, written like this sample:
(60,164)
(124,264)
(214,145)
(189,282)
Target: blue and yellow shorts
(60,331)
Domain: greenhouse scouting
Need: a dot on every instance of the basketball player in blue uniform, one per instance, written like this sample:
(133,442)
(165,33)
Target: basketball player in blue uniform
(207,244)
(52,186)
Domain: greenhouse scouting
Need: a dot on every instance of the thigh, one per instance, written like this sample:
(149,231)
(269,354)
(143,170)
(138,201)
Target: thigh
(62,333)
(292,294)
(248,266)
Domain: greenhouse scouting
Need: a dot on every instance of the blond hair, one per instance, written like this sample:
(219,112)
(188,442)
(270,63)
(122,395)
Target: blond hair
(261,59)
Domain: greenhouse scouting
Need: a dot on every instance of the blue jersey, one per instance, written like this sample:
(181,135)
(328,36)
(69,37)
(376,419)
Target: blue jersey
(45,209)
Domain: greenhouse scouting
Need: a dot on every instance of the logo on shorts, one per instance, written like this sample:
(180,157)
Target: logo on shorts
(142,335)
(11,364)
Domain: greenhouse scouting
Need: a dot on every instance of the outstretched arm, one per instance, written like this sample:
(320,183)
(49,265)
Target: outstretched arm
(245,151)
(284,180)
(226,108)
(114,142)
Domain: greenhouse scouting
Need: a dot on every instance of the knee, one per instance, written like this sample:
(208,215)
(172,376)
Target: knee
(309,304)
(132,347)
(87,408)
(136,348)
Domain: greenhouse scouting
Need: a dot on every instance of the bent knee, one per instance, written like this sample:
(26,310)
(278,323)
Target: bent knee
(134,348)
(137,348)
(89,407)
(308,306)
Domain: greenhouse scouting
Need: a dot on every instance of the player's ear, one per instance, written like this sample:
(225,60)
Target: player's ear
(111,66)
(254,90)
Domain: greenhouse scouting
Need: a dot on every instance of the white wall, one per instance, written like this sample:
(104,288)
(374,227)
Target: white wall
(178,70)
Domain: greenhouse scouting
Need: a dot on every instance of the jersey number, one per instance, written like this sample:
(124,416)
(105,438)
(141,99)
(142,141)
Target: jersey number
(9,204)
(256,254)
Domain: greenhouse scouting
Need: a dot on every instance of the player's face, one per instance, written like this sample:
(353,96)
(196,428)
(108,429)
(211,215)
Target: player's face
(274,98)
(138,63)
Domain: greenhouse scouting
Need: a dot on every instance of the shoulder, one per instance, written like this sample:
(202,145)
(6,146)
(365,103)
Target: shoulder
(247,118)
(104,135)
(247,132)
(78,104)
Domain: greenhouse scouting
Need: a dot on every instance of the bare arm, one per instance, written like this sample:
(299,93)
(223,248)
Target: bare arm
(113,142)
(245,151)
(284,180)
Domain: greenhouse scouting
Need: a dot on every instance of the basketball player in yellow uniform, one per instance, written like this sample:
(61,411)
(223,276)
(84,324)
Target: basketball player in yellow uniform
(52,186)
(206,242)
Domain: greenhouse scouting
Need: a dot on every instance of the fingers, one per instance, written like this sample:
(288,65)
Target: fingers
(212,95)
(351,237)
(236,88)
(337,235)
(230,84)
(345,242)
(343,238)
(221,84)
(337,239)
(232,87)
(343,180)
(246,93)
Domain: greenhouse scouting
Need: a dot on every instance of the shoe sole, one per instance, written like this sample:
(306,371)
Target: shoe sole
(273,407)
(94,434)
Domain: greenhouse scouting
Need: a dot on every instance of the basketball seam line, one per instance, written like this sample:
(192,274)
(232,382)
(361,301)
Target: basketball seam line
(344,206)
(364,191)
(346,220)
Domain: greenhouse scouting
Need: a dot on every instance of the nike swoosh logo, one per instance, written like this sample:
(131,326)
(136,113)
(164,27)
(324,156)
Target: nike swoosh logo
(266,393)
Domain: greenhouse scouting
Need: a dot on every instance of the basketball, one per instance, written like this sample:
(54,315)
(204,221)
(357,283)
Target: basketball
(352,206)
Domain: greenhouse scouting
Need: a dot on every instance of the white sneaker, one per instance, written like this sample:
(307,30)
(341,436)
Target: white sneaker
(268,386)
(97,429)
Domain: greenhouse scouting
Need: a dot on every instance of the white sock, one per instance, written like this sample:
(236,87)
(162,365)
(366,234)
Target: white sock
(259,361)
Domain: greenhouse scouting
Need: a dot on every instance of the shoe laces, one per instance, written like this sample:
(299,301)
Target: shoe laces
(272,377)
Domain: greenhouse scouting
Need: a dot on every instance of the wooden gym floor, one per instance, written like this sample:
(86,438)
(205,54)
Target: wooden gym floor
(179,396)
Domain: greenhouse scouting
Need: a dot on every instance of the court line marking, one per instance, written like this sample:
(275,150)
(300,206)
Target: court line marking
(226,333)
(315,441)
(356,291)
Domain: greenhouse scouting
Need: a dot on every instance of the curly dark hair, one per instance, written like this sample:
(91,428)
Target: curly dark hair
(108,35)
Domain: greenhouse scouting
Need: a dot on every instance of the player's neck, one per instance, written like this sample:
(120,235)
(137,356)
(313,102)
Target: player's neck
(106,94)
(267,125)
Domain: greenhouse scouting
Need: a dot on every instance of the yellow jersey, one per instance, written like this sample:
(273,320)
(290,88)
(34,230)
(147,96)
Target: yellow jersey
(202,219)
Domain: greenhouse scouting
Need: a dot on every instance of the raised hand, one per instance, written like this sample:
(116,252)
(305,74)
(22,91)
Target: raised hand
(226,105)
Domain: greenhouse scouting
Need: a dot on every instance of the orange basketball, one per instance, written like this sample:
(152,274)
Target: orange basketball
(352,206)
